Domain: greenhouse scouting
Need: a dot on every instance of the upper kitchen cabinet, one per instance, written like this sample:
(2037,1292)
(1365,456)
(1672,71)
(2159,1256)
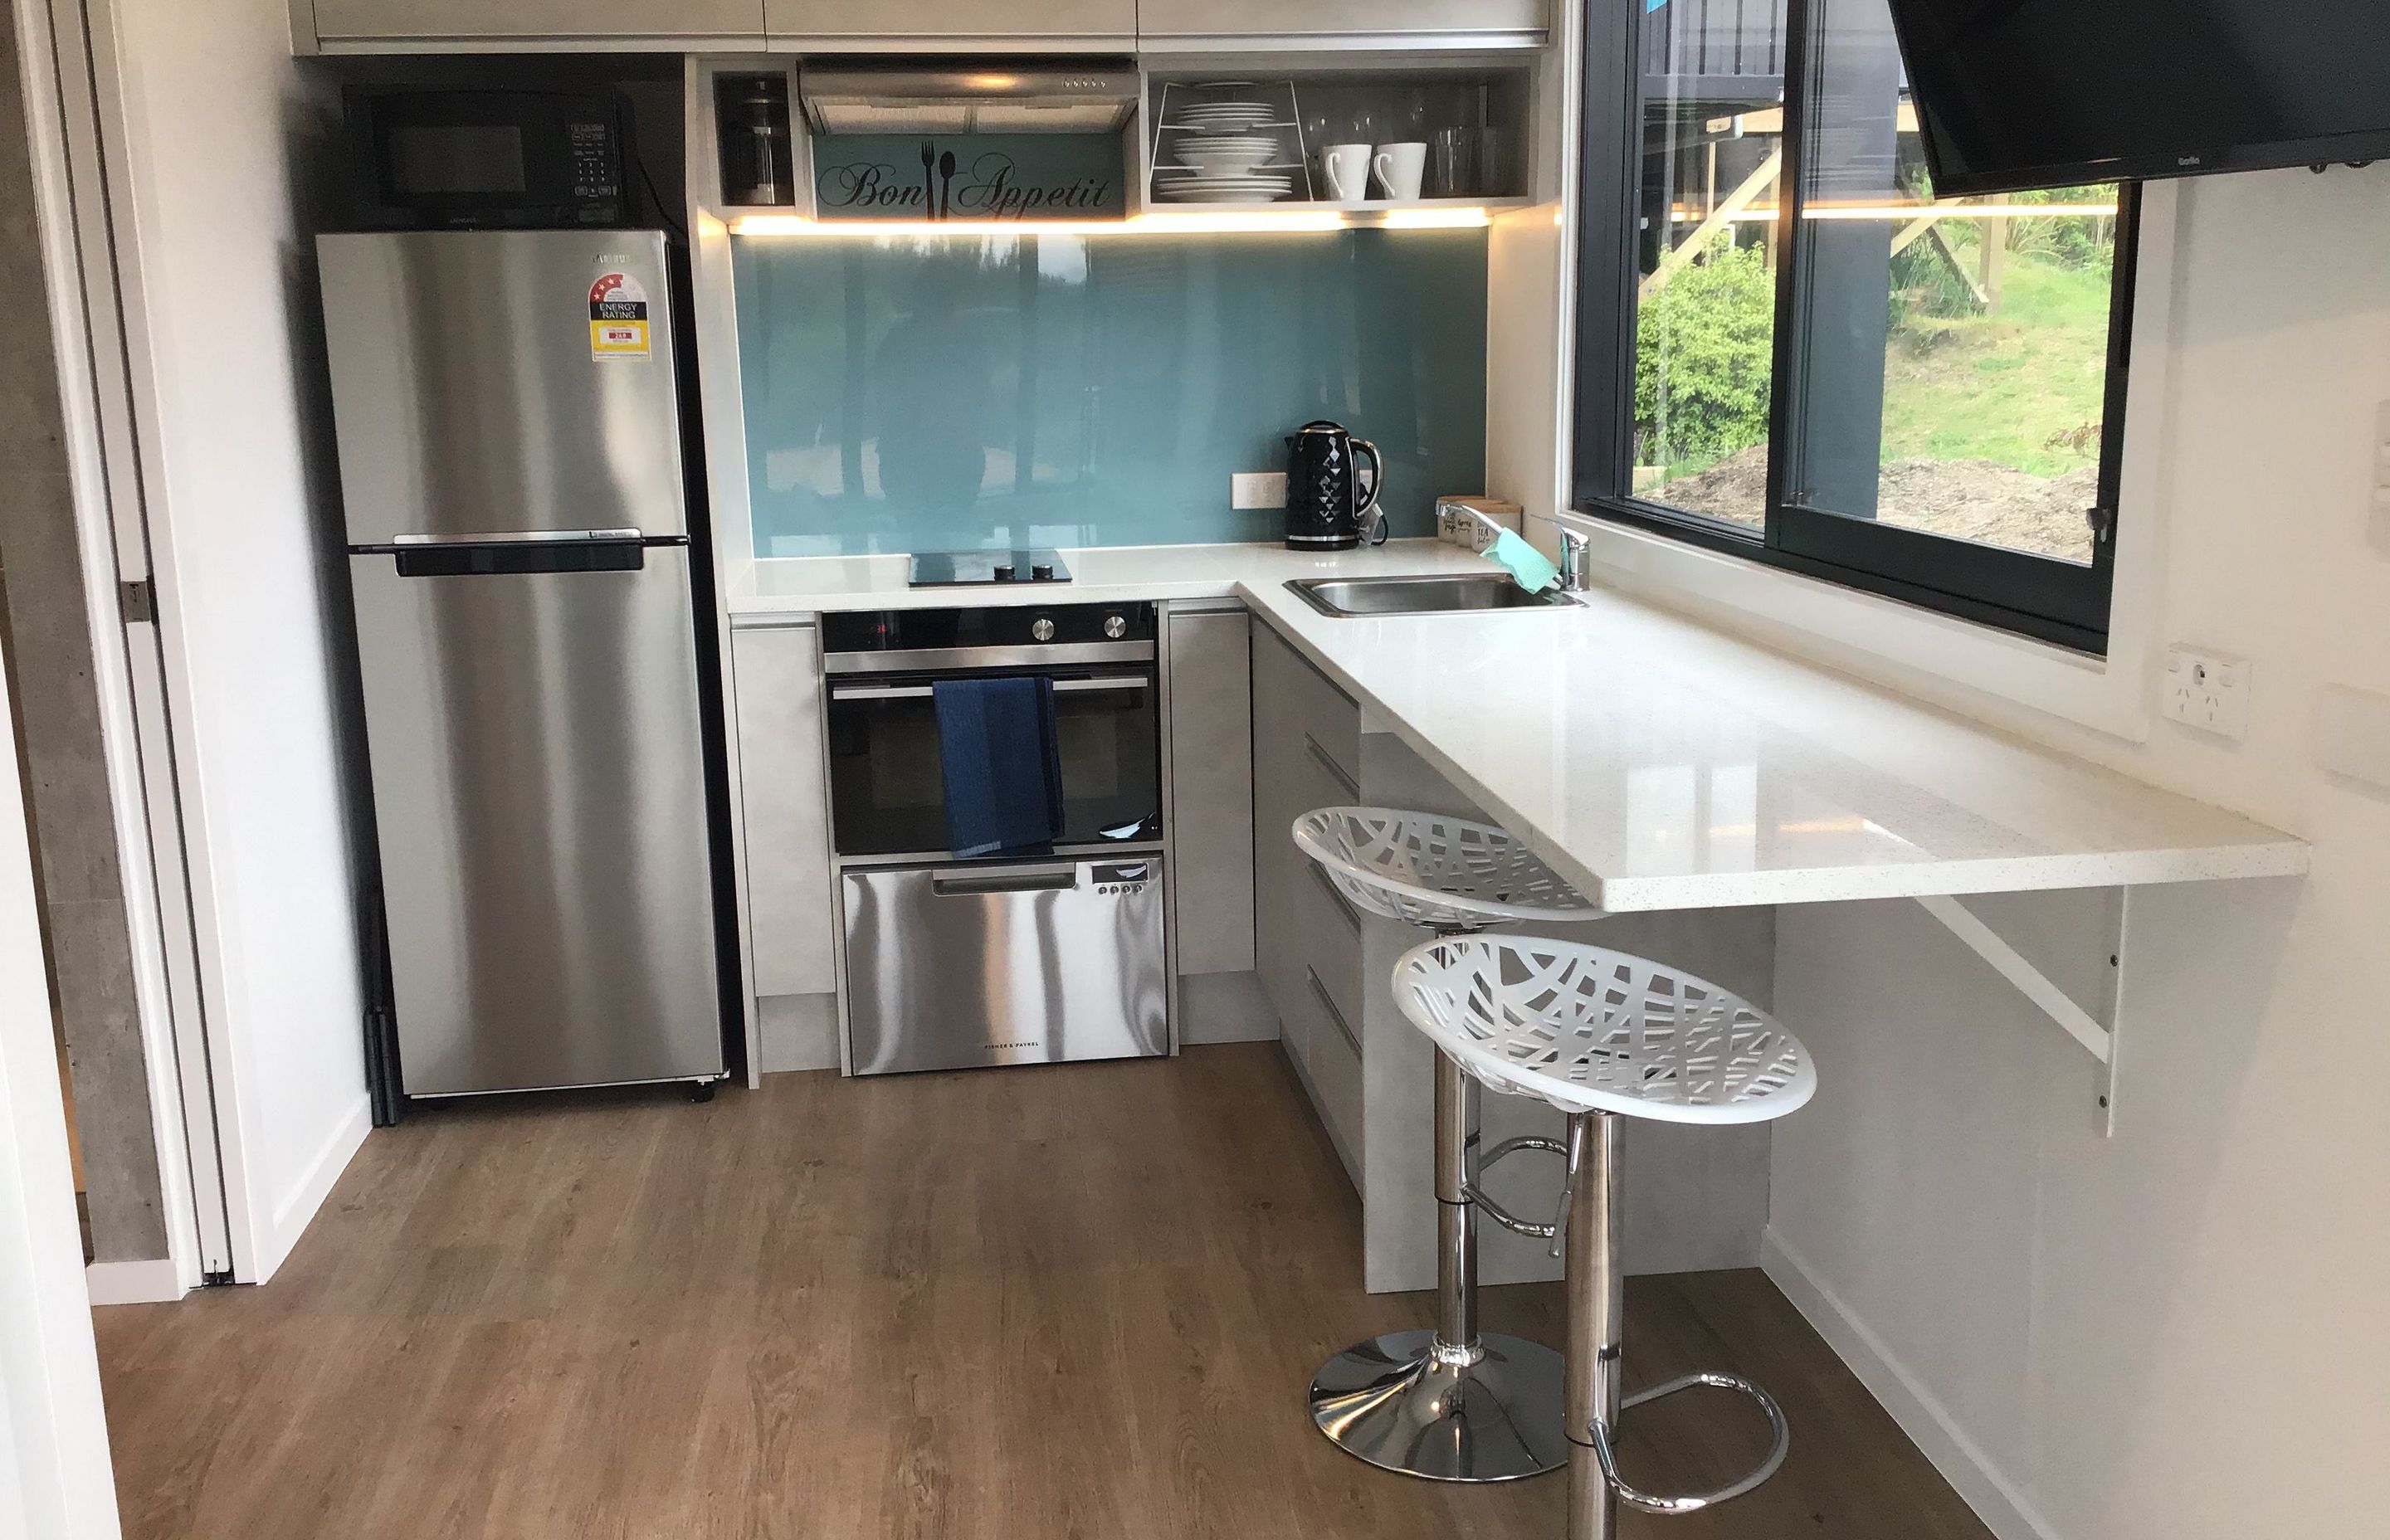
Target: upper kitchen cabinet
(400,26)
(1213,25)
(980,25)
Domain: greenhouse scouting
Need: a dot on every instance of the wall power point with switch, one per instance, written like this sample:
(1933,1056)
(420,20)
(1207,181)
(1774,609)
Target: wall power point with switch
(2207,690)
(1257,489)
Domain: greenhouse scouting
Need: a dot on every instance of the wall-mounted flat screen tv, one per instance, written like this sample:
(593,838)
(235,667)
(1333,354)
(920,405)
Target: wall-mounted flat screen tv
(2020,93)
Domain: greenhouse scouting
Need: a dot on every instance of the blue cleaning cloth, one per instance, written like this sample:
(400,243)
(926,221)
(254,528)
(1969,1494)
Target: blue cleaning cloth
(1529,567)
(1002,770)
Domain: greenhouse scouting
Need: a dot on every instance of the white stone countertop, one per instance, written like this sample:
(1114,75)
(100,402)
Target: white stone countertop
(1657,762)
(758,589)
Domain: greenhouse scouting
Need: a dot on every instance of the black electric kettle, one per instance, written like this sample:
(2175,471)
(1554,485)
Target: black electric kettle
(1324,507)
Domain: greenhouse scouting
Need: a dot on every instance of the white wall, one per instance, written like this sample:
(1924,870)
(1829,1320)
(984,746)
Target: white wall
(55,1478)
(241,510)
(2183,1332)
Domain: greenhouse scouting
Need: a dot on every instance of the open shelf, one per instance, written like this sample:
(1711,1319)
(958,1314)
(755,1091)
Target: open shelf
(1314,105)
(1327,206)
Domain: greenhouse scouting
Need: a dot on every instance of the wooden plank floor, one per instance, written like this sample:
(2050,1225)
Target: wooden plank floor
(1009,1305)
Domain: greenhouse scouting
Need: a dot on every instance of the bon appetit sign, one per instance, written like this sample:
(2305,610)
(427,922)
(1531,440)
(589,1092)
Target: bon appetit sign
(970,176)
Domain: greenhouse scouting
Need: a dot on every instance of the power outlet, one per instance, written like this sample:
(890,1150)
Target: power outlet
(2207,690)
(2378,521)
(1257,489)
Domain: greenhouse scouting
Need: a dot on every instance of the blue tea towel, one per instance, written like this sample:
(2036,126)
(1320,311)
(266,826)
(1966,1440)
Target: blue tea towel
(1003,772)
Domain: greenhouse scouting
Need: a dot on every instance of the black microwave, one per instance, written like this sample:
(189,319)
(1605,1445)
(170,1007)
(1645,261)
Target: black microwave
(444,159)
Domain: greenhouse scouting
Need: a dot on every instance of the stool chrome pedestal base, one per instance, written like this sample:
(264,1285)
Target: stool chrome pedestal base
(1398,1404)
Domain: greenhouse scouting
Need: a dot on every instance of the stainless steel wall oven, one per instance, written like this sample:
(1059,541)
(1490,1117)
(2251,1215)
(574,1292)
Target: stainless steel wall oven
(887,797)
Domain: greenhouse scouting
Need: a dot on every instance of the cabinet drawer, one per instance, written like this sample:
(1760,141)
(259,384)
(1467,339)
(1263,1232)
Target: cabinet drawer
(1331,940)
(1332,727)
(1334,1062)
(1320,713)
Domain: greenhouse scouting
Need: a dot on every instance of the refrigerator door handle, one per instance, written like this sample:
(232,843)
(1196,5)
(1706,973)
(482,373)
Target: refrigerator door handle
(517,537)
(521,560)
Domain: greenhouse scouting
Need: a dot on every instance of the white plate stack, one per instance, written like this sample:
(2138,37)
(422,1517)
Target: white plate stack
(1223,150)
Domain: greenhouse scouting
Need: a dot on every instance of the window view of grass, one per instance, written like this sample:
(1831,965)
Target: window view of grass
(1995,368)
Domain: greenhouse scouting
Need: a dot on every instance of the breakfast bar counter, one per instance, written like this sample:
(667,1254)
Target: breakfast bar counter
(1657,762)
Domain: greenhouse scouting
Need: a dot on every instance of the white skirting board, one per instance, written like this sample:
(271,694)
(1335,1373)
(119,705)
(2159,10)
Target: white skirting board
(158,1282)
(1928,1424)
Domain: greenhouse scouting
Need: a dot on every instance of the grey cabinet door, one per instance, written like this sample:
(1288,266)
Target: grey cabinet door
(1008,20)
(1212,791)
(402,21)
(776,683)
(1424,19)
(1277,748)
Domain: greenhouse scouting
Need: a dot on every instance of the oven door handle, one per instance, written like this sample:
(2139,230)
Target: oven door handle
(1037,879)
(923,692)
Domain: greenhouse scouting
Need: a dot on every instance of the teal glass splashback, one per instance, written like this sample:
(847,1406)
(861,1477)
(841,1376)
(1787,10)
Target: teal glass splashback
(907,392)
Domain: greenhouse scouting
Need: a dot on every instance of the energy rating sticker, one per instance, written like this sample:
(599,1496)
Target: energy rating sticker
(618,317)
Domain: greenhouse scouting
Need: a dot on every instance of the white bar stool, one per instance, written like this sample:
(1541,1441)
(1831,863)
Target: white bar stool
(1602,1035)
(1451,1403)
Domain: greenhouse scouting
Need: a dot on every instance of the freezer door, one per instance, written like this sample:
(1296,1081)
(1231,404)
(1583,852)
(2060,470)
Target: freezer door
(959,968)
(540,804)
(477,392)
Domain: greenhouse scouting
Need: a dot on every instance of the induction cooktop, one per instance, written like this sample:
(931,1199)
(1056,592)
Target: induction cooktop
(971,568)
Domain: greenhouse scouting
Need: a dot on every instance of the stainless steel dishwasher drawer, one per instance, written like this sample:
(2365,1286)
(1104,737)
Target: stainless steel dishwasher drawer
(956,967)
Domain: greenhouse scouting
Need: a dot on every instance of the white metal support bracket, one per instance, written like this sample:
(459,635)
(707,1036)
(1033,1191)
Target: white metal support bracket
(2098,1039)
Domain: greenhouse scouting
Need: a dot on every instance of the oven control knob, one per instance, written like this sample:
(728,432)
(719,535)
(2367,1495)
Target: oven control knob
(1041,571)
(1042,629)
(1005,572)
(1115,626)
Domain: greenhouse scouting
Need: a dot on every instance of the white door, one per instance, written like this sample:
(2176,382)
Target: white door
(75,169)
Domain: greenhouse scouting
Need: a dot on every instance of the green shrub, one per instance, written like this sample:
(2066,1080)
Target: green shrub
(1702,355)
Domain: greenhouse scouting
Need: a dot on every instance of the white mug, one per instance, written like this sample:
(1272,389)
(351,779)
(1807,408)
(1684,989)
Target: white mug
(1400,167)
(1345,168)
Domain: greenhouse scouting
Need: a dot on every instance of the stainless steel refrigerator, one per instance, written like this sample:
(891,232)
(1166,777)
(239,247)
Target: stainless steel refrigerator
(519,545)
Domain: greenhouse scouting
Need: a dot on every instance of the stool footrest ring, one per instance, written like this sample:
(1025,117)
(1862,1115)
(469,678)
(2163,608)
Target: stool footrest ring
(1693,1503)
(1494,1211)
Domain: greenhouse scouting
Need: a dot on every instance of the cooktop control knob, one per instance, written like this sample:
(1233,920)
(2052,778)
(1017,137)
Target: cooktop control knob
(1005,571)
(1115,626)
(1042,571)
(1042,629)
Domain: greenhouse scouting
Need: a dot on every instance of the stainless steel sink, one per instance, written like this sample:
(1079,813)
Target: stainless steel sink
(1422,595)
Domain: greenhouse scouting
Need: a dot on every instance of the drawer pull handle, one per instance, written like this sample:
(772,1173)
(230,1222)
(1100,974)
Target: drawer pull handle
(1328,1004)
(1327,763)
(1344,905)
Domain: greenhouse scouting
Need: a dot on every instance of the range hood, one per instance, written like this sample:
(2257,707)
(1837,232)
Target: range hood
(1007,97)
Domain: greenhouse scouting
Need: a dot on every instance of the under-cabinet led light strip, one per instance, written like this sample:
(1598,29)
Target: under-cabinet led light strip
(1192,222)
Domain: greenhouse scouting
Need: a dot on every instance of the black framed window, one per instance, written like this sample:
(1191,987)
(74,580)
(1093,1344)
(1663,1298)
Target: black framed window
(1788,348)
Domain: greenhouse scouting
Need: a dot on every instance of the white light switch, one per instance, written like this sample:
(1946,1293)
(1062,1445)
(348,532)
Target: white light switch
(2207,690)
(1257,489)
(2352,734)
(2378,523)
